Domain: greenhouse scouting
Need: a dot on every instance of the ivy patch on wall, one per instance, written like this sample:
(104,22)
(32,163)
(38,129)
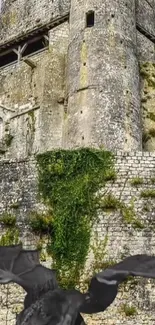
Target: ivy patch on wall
(69,181)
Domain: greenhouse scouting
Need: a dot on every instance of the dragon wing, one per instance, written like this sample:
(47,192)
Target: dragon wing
(23,267)
(104,285)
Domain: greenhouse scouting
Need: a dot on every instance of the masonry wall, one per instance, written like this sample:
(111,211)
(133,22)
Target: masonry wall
(35,98)
(145,18)
(85,89)
(123,238)
(18,16)
(103,98)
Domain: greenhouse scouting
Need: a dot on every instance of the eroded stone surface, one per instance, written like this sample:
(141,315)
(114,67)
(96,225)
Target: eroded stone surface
(84,90)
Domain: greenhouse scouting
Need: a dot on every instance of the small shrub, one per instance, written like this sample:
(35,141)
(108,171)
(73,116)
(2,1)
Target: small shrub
(109,202)
(129,310)
(138,224)
(11,237)
(148,193)
(129,216)
(136,181)
(145,137)
(151,132)
(99,251)
(14,205)
(110,175)
(39,246)
(41,223)
(146,207)
(99,262)
(151,116)
(42,256)
(152,180)
(8,139)
(131,281)
(8,219)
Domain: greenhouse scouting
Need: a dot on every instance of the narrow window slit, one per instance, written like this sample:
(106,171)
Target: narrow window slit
(90,18)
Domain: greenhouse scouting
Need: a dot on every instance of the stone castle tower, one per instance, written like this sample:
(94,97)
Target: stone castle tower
(77,73)
(70,75)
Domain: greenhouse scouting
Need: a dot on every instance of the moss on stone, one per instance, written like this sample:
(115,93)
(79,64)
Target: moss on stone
(109,203)
(146,207)
(151,132)
(99,252)
(129,310)
(152,180)
(129,216)
(32,120)
(83,70)
(151,116)
(110,175)
(135,181)
(8,139)
(15,205)
(11,237)
(7,219)
(149,193)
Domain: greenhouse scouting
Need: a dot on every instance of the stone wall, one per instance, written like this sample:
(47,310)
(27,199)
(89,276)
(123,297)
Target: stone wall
(18,16)
(84,90)
(34,99)
(125,239)
(103,98)
(18,183)
(129,233)
(145,18)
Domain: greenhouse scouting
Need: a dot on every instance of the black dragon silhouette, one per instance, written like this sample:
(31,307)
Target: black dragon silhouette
(47,304)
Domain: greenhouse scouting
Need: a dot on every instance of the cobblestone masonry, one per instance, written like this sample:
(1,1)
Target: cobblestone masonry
(123,239)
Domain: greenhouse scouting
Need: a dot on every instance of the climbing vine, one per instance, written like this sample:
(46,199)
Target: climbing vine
(68,183)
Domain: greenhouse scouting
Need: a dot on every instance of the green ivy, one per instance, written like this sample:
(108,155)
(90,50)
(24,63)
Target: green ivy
(68,183)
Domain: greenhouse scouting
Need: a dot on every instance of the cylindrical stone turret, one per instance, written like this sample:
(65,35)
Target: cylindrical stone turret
(103,76)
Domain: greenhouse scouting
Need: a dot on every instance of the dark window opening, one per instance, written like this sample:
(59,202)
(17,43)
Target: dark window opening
(27,47)
(90,18)
(35,46)
(8,58)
